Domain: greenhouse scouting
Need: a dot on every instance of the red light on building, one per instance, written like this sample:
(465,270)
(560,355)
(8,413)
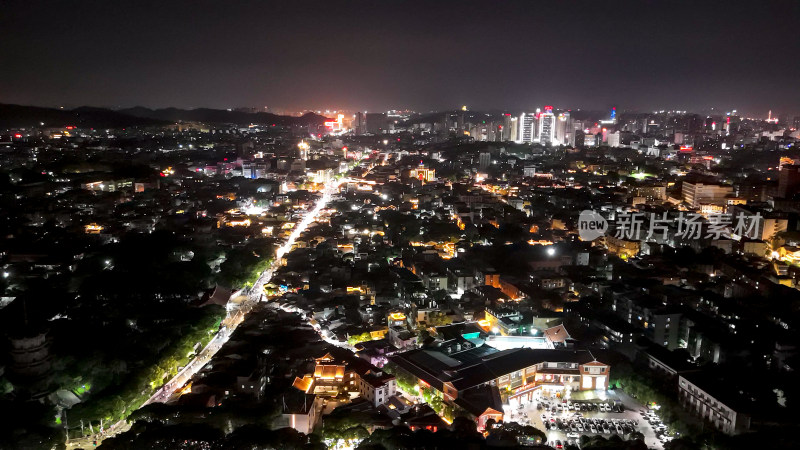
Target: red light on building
(548,108)
(686,148)
(70,127)
(17,135)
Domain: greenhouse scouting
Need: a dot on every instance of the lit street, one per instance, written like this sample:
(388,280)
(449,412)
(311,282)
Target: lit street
(235,316)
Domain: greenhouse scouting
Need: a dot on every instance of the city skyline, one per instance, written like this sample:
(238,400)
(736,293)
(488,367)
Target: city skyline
(769,115)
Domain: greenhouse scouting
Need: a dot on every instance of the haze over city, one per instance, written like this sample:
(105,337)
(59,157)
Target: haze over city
(636,55)
(374,225)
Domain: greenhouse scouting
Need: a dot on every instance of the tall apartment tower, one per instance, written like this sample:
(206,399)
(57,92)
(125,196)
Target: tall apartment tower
(485,160)
(564,134)
(527,128)
(377,123)
(513,129)
(788,181)
(547,126)
(361,123)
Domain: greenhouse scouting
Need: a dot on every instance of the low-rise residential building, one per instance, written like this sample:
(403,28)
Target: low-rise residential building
(376,386)
(303,413)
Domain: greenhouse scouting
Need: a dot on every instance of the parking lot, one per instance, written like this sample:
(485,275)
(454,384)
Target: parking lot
(566,420)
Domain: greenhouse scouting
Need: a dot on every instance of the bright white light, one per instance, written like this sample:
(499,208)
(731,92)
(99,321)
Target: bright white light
(330,188)
(108,261)
(551,251)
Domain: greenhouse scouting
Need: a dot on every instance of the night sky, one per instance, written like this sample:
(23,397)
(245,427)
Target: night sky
(379,55)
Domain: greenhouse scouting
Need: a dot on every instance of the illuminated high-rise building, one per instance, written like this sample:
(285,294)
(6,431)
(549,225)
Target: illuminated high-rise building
(527,128)
(547,126)
(564,134)
(513,130)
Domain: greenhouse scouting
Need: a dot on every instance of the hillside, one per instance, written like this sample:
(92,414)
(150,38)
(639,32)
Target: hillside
(19,116)
(207,115)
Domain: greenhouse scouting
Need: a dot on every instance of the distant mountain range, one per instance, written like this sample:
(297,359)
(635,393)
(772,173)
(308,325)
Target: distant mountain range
(19,116)
(207,115)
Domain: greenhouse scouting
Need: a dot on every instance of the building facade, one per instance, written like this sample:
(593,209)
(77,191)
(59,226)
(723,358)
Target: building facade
(476,376)
(699,401)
